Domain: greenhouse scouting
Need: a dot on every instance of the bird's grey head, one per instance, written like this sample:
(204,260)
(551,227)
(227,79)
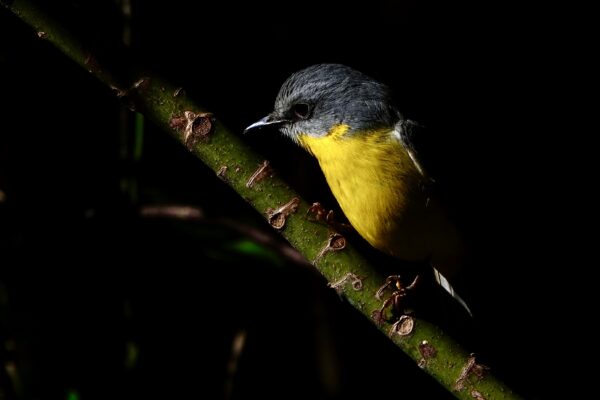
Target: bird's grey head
(316,99)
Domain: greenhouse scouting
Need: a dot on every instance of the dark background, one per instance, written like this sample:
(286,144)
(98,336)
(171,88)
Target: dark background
(84,280)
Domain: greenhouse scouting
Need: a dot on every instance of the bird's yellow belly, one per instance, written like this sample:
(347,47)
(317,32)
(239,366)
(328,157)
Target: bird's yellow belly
(378,187)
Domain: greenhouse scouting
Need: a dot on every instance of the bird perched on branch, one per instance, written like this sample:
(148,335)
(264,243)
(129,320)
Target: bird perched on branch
(364,146)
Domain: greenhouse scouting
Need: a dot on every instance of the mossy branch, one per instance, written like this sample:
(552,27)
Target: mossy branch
(250,176)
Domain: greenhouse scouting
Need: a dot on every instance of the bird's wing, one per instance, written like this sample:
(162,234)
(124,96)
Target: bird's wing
(411,134)
(413,137)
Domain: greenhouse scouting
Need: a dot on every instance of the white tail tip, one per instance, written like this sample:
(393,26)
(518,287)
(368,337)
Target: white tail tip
(443,282)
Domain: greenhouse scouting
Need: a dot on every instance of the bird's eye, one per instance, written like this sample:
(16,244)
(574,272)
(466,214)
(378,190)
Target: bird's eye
(301,110)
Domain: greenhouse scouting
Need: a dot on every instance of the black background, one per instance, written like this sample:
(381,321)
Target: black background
(487,81)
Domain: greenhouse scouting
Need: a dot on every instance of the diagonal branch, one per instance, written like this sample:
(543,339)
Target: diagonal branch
(252,178)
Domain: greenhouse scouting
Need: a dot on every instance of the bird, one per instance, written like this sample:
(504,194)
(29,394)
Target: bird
(366,150)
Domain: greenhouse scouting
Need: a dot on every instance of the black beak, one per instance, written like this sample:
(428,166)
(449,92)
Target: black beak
(268,120)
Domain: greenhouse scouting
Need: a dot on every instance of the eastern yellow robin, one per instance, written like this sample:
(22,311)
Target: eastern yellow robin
(348,121)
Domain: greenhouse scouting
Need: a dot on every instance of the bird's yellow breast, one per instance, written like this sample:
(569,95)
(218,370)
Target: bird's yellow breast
(377,186)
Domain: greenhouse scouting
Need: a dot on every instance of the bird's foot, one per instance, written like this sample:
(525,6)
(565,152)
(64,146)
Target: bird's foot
(318,213)
(396,301)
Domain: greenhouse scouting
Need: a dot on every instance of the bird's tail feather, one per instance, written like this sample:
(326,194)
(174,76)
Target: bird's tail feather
(443,282)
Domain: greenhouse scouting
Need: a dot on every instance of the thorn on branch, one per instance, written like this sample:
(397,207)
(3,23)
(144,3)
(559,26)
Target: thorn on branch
(477,395)
(336,242)
(427,351)
(277,217)
(264,170)
(196,127)
(403,327)
(222,171)
(470,368)
(356,281)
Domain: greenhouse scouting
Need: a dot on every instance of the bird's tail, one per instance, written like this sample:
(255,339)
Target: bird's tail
(443,282)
